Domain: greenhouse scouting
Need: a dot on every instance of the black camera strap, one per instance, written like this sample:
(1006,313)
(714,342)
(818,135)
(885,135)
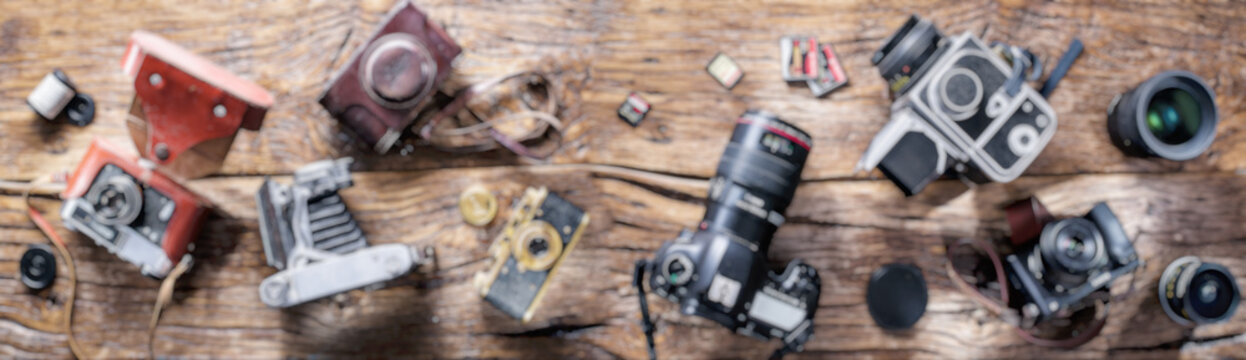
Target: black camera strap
(638,280)
(1062,67)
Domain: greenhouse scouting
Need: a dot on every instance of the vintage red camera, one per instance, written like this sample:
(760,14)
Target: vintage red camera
(389,80)
(186,109)
(127,206)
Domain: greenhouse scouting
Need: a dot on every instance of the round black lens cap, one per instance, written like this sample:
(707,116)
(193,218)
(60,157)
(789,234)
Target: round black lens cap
(81,110)
(38,267)
(896,296)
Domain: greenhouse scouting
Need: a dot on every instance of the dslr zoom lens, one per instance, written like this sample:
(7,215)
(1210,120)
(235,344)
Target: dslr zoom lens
(1172,115)
(757,177)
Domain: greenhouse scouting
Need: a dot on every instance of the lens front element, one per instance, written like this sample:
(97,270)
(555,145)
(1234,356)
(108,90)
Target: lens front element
(1173,116)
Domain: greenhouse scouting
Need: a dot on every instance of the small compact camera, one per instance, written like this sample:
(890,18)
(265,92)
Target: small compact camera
(542,230)
(316,244)
(131,209)
(958,106)
(186,110)
(1072,259)
(719,272)
(389,80)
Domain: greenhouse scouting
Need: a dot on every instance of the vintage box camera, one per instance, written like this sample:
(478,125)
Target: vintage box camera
(389,80)
(186,110)
(132,210)
(719,272)
(958,106)
(316,244)
(1072,259)
(542,230)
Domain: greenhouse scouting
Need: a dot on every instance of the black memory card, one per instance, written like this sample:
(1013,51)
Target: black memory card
(633,109)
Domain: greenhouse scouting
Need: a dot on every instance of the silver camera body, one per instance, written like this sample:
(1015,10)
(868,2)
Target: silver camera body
(953,111)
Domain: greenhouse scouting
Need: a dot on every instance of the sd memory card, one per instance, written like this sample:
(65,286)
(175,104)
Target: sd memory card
(725,70)
(634,109)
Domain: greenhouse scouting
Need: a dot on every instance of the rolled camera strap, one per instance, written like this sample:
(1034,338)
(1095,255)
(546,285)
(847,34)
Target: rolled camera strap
(638,280)
(483,135)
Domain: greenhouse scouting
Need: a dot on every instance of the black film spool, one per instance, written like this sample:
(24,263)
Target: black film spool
(896,296)
(38,267)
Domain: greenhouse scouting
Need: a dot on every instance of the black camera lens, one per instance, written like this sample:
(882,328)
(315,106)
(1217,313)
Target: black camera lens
(1193,292)
(905,52)
(757,177)
(1172,115)
(1070,249)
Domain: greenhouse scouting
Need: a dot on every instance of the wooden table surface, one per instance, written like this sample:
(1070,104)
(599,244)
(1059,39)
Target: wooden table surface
(641,185)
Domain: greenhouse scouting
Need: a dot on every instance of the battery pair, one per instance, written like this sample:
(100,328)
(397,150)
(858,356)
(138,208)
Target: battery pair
(816,64)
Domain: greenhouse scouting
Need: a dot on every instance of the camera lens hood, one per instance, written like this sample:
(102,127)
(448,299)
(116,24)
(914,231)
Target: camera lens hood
(1172,115)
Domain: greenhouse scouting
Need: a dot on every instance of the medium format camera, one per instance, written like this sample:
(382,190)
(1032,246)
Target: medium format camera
(1171,115)
(315,242)
(958,106)
(1072,259)
(1194,292)
(719,272)
(389,80)
(542,230)
(132,210)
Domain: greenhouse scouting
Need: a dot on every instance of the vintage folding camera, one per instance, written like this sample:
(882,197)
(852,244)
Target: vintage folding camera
(958,106)
(131,209)
(389,80)
(542,230)
(187,110)
(1071,259)
(719,272)
(316,244)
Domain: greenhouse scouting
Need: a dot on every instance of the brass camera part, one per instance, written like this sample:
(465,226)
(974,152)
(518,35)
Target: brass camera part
(542,230)
(478,206)
(537,246)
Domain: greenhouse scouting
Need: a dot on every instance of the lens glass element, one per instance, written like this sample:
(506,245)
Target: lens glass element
(1173,116)
(1210,294)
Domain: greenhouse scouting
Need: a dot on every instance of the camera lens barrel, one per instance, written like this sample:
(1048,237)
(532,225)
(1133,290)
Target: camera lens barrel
(756,177)
(1193,292)
(1171,115)
(1070,249)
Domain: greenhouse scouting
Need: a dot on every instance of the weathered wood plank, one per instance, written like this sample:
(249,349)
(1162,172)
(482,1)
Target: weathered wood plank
(606,49)
(844,229)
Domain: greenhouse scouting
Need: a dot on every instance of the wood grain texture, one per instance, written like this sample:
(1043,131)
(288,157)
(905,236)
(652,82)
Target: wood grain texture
(641,186)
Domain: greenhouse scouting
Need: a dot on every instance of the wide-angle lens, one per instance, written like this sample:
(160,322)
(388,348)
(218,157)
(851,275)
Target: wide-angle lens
(1194,292)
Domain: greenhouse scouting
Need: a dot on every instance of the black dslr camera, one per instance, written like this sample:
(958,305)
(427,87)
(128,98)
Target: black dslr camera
(959,106)
(1072,259)
(719,272)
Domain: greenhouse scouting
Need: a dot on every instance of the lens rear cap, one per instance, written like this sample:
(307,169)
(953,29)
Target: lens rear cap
(896,296)
(38,267)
